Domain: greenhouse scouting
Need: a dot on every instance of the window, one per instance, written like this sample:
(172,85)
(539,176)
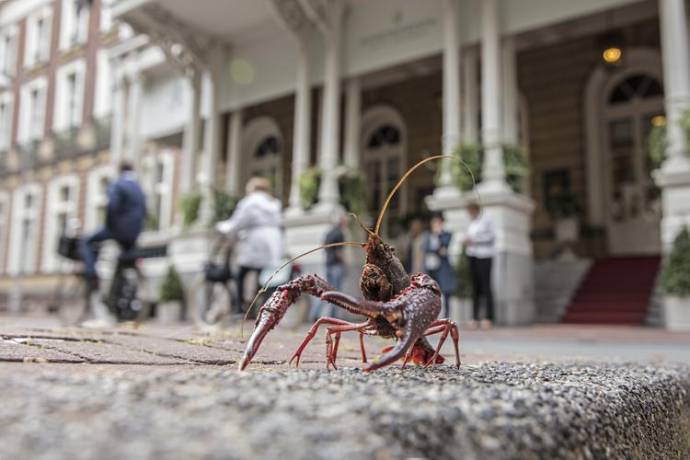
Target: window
(5,121)
(106,15)
(75,23)
(4,215)
(63,199)
(104,91)
(33,106)
(25,229)
(157,182)
(38,37)
(262,143)
(8,52)
(70,96)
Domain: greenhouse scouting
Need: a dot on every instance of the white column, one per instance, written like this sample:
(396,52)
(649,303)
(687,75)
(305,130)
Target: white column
(470,99)
(674,39)
(451,88)
(134,142)
(211,145)
(302,127)
(234,156)
(353,121)
(493,171)
(328,155)
(510,95)
(117,133)
(190,139)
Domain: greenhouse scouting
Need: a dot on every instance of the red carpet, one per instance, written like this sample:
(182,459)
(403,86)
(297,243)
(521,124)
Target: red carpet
(614,291)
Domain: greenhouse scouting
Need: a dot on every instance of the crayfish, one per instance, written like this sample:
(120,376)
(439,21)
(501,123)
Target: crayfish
(396,305)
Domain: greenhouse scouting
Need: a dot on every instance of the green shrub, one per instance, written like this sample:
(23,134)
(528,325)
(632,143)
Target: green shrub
(353,191)
(309,183)
(468,172)
(657,140)
(171,289)
(190,205)
(675,277)
(151,223)
(223,205)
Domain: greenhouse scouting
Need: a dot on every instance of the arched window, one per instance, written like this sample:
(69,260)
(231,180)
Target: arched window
(385,135)
(262,145)
(639,86)
(384,160)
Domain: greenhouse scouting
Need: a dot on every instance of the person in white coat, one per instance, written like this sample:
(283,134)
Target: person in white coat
(256,224)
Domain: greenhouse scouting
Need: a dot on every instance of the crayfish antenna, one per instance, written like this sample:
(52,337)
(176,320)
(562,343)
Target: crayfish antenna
(264,288)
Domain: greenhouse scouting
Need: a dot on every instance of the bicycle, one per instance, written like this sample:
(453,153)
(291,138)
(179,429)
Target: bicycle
(73,295)
(214,294)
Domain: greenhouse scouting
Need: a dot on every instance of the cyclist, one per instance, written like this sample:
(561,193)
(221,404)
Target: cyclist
(124,220)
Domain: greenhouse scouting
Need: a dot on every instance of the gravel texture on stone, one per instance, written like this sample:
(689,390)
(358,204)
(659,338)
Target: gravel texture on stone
(492,411)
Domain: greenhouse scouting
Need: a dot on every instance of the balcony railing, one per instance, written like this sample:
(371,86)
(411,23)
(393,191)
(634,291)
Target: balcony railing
(71,143)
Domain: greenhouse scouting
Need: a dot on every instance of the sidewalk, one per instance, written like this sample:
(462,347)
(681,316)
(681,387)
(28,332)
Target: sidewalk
(171,392)
(43,340)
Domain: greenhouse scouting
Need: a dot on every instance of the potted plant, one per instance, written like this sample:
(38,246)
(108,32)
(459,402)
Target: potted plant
(353,191)
(675,282)
(565,210)
(171,297)
(467,172)
(309,183)
(223,205)
(190,205)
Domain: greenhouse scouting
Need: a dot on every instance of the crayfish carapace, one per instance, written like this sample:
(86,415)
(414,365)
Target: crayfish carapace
(396,305)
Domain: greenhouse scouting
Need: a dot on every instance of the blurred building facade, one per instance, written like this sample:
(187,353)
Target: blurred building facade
(205,94)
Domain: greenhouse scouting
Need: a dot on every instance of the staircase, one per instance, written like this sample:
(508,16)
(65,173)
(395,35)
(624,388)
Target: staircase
(616,290)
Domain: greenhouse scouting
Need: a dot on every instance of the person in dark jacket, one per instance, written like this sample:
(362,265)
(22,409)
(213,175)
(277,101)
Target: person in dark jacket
(124,221)
(436,262)
(336,265)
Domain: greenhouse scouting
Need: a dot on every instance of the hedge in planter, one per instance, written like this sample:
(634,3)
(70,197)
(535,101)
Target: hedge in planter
(351,188)
(675,277)
(171,289)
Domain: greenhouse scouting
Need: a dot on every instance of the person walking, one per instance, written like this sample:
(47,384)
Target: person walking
(256,224)
(335,265)
(124,220)
(436,262)
(479,247)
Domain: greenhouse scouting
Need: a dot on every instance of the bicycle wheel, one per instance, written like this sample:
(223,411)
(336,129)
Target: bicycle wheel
(211,302)
(125,296)
(72,299)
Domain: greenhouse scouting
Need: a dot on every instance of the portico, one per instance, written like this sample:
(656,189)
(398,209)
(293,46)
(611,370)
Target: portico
(333,85)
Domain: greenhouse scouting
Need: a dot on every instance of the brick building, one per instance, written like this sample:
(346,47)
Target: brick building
(208,93)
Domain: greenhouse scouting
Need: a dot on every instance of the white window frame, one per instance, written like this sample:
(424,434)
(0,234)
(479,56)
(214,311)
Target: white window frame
(74,27)
(57,207)
(96,198)
(67,116)
(24,260)
(162,189)
(8,51)
(27,114)
(104,85)
(6,115)
(4,228)
(38,47)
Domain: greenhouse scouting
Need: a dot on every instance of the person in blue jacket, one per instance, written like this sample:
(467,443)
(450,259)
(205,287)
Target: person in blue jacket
(124,220)
(436,261)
